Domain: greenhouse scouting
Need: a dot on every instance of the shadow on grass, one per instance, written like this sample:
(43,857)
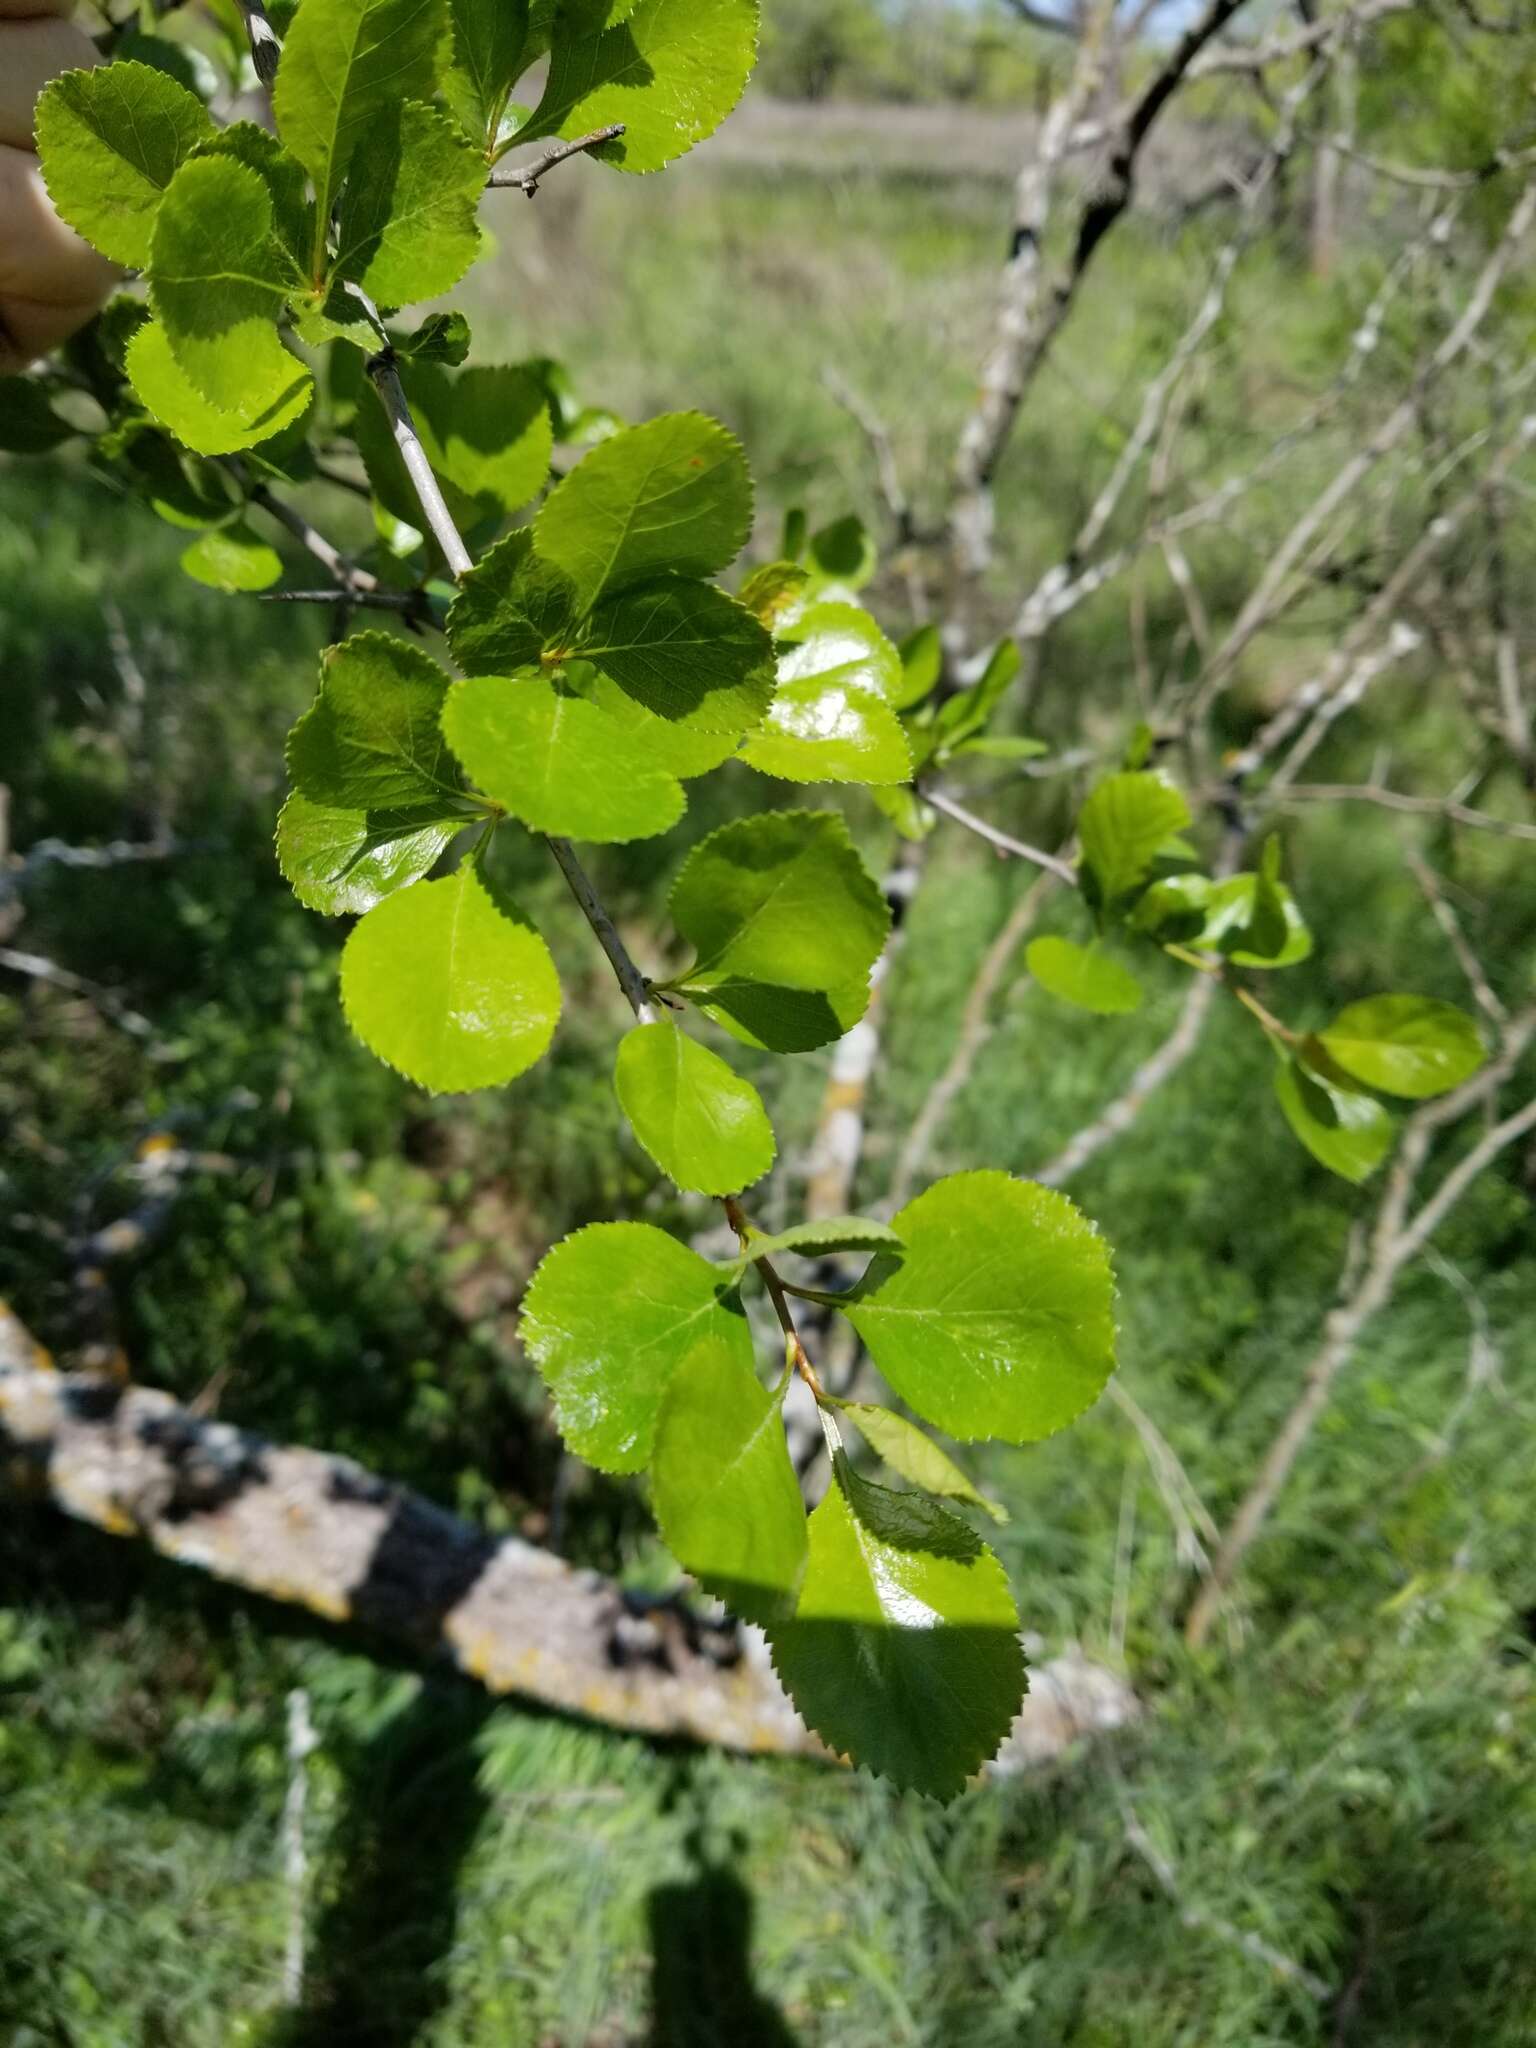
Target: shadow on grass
(702,1991)
(376,1975)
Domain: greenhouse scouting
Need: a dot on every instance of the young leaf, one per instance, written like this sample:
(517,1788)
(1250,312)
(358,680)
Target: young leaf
(511,607)
(832,1234)
(922,666)
(1225,916)
(28,423)
(219,281)
(786,921)
(557,762)
(843,553)
(1350,1134)
(670,70)
(163,387)
(111,140)
(725,1494)
(342,862)
(704,1126)
(685,651)
(998,1318)
(969,710)
(347,64)
(905,1448)
(612,1314)
(904,1651)
(1404,1045)
(371,740)
(671,495)
(441,338)
(293,218)
(232,558)
(489,38)
(1123,826)
(447,988)
(1083,976)
(831,718)
(774,593)
(407,226)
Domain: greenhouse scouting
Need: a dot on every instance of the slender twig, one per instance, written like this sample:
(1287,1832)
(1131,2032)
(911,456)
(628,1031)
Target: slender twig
(1003,841)
(778,1294)
(352,579)
(36,968)
(1450,924)
(384,374)
(302,1742)
(411,602)
(1397,800)
(634,984)
(526,180)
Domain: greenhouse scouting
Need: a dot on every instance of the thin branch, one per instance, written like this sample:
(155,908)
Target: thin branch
(1257,57)
(975,1029)
(636,988)
(384,375)
(353,580)
(1399,1234)
(1396,800)
(1002,841)
(527,181)
(36,968)
(1199,1920)
(413,603)
(1450,924)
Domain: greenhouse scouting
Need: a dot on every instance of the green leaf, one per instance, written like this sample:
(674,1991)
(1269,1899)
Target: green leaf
(447,988)
(904,1651)
(232,558)
(786,921)
(922,667)
(1123,826)
(28,423)
(1350,1134)
(346,65)
(441,338)
(164,389)
(557,762)
(343,862)
(612,1314)
(670,70)
(487,435)
(661,742)
(844,553)
(1006,747)
(407,227)
(371,740)
(685,651)
(832,1234)
(219,281)
(511,607)
(725,1494)
(1411,1046)
(489,38)
(704,1126)
(998,1319)
(774,592)
(831,718)
(671,495)
(1083,976)
(111,140)
(915,1456)
(964,714)
(293,218)
(906,810)
(1226,917)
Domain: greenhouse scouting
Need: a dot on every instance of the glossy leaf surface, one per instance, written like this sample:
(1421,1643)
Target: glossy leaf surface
(613,1312)
(998,1318)
(704,1126)
(1083,976)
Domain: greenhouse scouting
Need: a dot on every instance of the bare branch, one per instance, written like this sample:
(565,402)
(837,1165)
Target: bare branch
(354,581)
(1002,841)
(527,180)
(636,988)
(1396,800)
(384,374)
(266,46)
(1477,978)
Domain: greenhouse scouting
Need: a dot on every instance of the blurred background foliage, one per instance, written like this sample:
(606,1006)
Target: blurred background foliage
(1352,1779)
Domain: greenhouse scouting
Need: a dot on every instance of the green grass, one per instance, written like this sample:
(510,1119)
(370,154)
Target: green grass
(1351,1783)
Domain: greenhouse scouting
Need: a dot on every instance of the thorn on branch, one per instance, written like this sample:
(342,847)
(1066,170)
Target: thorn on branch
(528,179)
